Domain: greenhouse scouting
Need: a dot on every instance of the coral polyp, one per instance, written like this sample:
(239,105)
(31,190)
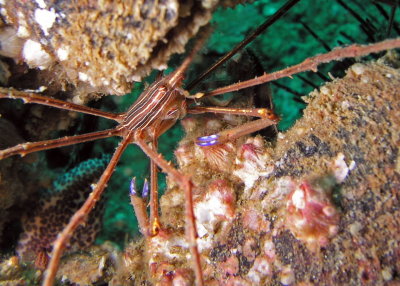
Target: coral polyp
(252,162)
(311,215)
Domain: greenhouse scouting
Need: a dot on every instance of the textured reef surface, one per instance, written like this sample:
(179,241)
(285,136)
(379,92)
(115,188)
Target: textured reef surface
(51,214)
(319,204)
(100,46)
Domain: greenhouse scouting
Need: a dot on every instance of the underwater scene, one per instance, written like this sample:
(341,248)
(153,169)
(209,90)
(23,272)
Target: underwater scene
(129,157)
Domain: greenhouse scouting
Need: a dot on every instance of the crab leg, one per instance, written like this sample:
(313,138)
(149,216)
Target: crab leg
(31,97)
(79,217)
(234,133)
(311,64)
(257,112)
(185,183)
(29,147)
(154,217)
(139,207)
(268,118)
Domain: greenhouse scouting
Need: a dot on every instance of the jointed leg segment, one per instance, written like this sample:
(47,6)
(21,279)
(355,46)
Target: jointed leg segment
(79,217)
(185,183)
(154,217)
(267,116)
(140,208)
(30,97)
(256,112)
(30,147)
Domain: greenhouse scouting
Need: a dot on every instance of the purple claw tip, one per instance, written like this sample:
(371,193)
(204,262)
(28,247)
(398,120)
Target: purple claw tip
(146,189)
(207,140)
(132,189)
(205,144)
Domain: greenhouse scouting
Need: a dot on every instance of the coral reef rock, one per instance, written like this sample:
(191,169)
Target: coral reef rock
(52,212)
(319,206)
(14,186)
(99,46)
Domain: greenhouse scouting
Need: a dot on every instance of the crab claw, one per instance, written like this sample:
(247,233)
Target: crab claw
(208,140)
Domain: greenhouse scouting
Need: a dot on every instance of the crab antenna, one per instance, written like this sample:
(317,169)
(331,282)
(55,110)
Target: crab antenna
(278,14)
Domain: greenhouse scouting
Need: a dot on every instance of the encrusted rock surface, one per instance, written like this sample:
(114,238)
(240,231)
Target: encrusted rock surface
(320,206)
(99,47)
(14,189)
(48,216)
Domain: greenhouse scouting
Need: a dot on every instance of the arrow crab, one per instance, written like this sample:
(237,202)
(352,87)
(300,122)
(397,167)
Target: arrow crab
(156,110)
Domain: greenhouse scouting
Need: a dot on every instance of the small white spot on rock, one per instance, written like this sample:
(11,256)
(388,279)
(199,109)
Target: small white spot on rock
(35,56)
(62,54)
(358,69)
(355,228)
(387,274)
(365,79)
(325,90)
(345,104)
(298,199)
(78,100)
(41,3)
(22,32)
(136,78)
(352,165)
(83,77)
(260,269)
(340,169)
(45,19)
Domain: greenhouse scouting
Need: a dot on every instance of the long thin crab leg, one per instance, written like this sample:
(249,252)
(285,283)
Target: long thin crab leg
(140,209)
(234,133)
(184,183)
(79,217)
(257,112)
(154,218)
(29,147)
(312,63)
(267,116)
(31,97)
